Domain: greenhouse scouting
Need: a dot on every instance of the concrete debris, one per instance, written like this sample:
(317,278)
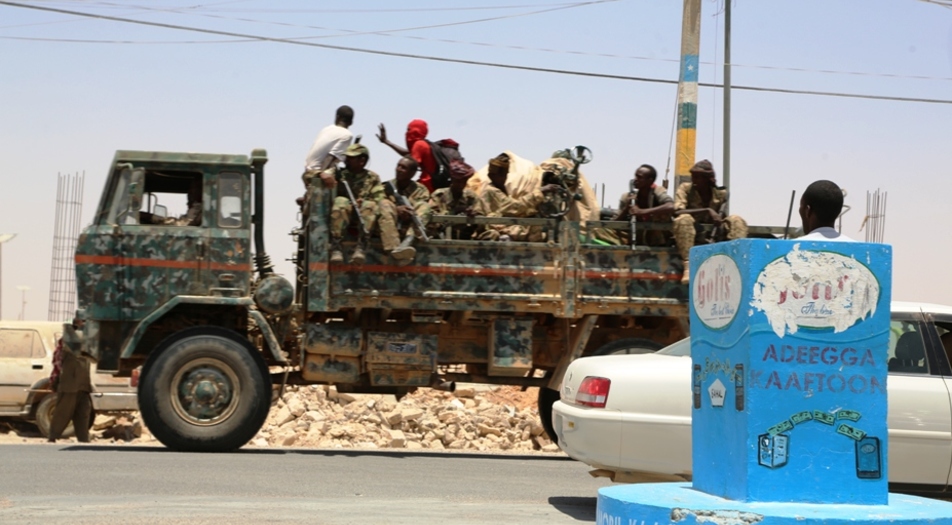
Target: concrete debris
(475,418)
(498,418)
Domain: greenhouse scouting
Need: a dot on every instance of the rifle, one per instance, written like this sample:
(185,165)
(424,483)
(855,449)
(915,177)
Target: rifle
(391,190)
(632,218)
(353,202)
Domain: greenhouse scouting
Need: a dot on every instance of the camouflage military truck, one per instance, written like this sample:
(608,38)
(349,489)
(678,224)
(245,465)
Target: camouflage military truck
(217,332)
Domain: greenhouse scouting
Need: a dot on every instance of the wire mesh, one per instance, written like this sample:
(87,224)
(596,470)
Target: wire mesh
(69,208)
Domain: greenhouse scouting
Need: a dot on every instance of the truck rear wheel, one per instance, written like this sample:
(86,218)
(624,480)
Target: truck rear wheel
(629,345)
(205,390)
(547,398)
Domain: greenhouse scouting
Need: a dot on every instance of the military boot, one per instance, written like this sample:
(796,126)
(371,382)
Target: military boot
(337,256)
(404,252)
(358,257)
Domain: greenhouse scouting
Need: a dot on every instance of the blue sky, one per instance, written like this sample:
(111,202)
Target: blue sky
(68,105)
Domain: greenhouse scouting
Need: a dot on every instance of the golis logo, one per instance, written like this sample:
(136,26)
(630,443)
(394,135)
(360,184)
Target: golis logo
(815,290)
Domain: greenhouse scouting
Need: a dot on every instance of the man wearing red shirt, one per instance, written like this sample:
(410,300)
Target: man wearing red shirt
(417,147)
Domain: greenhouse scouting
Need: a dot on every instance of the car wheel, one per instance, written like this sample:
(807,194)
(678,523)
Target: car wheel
(205,389)
(44,417)
(547,398)
(629,345)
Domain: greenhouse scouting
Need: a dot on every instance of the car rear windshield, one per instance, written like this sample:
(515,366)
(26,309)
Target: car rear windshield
(681,348)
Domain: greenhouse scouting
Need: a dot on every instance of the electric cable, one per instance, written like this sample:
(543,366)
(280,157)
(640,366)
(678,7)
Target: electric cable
(473,62)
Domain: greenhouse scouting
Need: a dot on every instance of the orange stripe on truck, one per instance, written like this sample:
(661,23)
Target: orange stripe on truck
(111,260)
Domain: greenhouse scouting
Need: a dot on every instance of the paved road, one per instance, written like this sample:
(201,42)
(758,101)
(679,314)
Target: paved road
(101,484)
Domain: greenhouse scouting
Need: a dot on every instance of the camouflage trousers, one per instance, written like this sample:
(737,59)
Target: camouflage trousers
(686,236)
(391,228)
(342,213)
(515,233)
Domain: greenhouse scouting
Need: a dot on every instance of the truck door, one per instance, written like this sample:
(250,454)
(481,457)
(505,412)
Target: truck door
(158,257)
(227,266)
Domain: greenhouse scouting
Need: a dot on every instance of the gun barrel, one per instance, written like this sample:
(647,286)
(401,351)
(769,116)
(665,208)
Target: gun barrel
(632,218)
(353,202)
(403,201)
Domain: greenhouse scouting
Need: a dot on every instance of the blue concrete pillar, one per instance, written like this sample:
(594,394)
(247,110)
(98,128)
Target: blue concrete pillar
(789,343)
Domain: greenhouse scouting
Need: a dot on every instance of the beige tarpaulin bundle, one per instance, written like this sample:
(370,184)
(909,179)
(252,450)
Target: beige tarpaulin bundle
(525,176)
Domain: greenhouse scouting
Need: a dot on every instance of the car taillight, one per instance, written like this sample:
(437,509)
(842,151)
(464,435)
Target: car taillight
(593,392)
(134,378)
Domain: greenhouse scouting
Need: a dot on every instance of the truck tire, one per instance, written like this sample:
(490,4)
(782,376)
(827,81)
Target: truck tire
(205,389)
(547,398)
(629,345)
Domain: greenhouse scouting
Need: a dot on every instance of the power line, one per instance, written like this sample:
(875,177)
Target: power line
(364,11)
(387,33)
(471,62)
(348,32)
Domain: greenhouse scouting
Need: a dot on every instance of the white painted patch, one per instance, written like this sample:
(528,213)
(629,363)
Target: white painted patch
(815,289)
(717,392)
(716,290)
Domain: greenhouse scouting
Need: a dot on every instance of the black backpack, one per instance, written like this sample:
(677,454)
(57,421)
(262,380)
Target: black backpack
(444,152)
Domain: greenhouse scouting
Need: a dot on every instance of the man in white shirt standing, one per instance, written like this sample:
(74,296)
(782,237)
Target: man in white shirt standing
(328,148)
(820,206)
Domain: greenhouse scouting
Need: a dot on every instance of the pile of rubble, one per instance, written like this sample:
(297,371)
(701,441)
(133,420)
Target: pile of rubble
(478,419)
(474,418)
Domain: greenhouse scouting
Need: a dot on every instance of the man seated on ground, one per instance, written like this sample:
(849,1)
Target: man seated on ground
(820,206)
(417,147)
(362,183)
(396,221)
(698,202)
(457,199)
(496,202)
(649,203)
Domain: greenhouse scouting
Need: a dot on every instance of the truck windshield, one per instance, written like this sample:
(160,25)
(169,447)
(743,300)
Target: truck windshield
(119,208)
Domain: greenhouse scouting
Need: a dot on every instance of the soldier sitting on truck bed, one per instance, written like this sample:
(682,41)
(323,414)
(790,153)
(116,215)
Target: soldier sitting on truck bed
(649,203)
(497,203)
(457,199)
(701,201)
(362,183)
(395,220)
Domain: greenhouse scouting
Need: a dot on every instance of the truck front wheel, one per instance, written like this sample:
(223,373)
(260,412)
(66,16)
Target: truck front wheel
(205,390)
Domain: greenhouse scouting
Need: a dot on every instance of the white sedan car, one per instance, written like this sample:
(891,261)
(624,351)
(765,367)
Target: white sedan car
(629,416)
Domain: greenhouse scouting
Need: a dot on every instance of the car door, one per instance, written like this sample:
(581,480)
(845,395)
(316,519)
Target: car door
(23,362)
(939,341)
(920,413)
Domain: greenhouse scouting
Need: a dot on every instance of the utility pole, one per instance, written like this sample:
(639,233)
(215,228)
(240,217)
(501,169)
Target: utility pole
(23,289)
(726,167)
(687,91)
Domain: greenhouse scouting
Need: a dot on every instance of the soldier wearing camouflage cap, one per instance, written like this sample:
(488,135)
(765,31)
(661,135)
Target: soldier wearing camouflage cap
(701,201)
(362,183)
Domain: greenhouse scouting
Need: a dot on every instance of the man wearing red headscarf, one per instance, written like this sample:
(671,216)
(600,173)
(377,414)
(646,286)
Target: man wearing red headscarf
(417,147)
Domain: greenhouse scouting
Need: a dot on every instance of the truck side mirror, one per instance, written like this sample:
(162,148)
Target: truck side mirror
(160,211)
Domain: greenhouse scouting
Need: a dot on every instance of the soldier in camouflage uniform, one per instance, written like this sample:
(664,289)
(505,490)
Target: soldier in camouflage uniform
(496,202)
(362,183)
(652,204)
(457,199)
(395,221)
(701,201)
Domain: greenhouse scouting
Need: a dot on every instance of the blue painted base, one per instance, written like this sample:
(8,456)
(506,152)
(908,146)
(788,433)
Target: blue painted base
(661,503)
